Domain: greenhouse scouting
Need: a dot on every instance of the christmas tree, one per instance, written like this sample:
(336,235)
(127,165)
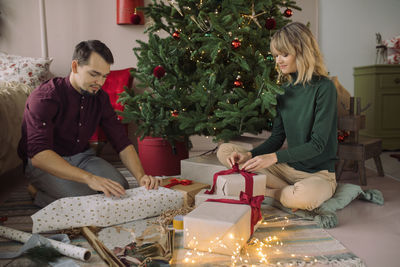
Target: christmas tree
(213,74)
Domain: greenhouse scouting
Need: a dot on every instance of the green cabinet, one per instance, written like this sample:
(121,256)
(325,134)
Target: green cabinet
(379,87)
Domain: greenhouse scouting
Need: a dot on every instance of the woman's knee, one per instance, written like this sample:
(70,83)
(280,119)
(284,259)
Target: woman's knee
(223,152)
(303,196)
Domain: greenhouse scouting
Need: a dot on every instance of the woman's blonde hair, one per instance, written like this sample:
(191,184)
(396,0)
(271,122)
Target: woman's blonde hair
(296,39)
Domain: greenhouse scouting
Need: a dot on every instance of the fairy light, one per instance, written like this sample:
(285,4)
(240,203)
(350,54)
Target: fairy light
(256,251)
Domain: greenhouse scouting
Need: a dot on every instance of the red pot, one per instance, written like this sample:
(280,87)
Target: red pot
(157,157)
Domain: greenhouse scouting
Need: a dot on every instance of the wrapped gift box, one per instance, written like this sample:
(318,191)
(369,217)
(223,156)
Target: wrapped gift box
(189,191)
(232,184)
(201,169)
(201,197)
(217,227)
(102,211)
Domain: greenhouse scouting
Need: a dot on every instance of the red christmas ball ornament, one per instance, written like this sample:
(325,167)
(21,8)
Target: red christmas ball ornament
(175,113)
(270,23)
(238,82)
(159,71)
(176,35)
(288,13)
(236,43)
(135,19)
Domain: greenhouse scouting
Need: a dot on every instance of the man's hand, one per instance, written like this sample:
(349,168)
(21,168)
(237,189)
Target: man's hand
(149,182)
(238,158)
(260,162)
(107,186)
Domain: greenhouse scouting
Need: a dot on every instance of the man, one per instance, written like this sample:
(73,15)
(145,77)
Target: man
(60,116)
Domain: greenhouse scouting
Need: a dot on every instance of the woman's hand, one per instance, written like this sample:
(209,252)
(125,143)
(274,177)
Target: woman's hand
(260,162)
(149,182)
(238,158)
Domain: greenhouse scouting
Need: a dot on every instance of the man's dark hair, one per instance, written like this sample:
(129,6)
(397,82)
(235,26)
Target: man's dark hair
(84,49)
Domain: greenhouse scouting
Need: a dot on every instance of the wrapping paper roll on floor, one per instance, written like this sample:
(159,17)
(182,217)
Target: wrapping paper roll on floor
(66,249)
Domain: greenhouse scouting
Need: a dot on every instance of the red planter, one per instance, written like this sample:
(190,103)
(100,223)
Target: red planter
(157,157)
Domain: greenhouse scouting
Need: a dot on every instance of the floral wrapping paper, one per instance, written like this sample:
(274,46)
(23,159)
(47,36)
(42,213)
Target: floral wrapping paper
(102,211)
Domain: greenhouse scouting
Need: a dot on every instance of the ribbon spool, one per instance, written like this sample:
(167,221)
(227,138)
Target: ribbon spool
(177,222)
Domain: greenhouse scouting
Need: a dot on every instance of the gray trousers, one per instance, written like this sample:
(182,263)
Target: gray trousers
(51,187)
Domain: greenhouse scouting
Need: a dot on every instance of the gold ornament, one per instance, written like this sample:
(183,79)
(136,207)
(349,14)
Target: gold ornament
(253,16)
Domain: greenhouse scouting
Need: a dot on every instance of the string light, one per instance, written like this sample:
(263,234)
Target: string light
(254,252)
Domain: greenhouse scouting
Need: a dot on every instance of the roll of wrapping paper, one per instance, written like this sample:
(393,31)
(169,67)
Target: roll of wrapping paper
(64,248)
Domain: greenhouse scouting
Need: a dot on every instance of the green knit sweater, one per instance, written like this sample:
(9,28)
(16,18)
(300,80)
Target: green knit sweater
(307,118)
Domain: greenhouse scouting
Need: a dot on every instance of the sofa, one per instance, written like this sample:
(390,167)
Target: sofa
(19,75)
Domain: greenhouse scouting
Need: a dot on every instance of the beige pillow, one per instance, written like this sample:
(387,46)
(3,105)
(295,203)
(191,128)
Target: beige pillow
(13,96)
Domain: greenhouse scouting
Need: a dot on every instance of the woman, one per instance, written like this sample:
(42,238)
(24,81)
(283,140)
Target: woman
(303,175)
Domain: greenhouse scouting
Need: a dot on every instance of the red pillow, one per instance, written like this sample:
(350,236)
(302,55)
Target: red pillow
(114,85)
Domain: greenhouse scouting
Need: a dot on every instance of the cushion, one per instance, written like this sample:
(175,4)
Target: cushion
(325,215)
(27,70)
(13,96)
(115,84)
(344,194)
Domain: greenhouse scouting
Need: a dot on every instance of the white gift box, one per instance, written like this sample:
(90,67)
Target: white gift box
(102,211)
(217,227)
(232,184)
(202,197)
(201,169)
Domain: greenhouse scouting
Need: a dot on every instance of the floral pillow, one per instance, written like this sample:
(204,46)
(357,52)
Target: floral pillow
(26,70)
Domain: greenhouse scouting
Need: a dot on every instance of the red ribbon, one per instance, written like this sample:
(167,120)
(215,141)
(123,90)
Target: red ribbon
(253,202)
(245,197)
(175,181)
(248,176)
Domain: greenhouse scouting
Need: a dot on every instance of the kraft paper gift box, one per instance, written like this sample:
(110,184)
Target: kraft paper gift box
(201,169)
(233,184)
(217,227)
(188,188)
(102,211)
(202,197)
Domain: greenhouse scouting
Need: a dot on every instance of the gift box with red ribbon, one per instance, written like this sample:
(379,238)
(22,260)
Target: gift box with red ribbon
(202,197)
(232,182)
(223,225)
(187,187)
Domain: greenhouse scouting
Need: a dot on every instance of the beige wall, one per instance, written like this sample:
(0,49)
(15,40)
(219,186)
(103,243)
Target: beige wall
(347,33)
(70,21)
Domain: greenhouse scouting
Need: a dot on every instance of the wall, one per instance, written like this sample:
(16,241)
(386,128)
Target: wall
(70,21)
(347,33)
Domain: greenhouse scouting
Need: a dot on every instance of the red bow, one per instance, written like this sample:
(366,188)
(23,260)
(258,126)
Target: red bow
(253,202)
(245,197)
(175,181)
(248,176)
